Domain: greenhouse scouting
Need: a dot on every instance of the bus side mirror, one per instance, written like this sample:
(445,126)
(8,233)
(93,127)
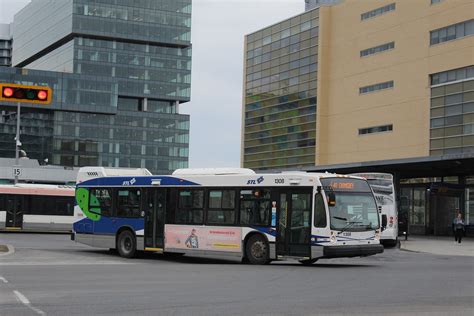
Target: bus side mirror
(331,199)
(384,222)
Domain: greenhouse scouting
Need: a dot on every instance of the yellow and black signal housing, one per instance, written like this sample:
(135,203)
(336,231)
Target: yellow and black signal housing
(29,94)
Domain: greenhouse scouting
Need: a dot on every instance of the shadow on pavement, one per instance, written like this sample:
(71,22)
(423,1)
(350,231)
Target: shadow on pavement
(180,258)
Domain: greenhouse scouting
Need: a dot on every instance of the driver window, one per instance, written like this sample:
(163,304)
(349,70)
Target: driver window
(320,219)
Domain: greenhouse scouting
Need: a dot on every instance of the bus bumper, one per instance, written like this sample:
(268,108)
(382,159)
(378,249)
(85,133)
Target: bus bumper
(351,251)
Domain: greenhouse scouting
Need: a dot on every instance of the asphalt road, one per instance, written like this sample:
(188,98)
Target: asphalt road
(51,275)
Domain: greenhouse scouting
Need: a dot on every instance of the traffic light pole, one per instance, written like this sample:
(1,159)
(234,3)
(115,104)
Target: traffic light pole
(17,139)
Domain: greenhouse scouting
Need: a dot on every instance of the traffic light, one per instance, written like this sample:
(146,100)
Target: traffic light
(28,94)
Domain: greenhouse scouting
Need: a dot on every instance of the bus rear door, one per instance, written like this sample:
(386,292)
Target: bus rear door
(155,219)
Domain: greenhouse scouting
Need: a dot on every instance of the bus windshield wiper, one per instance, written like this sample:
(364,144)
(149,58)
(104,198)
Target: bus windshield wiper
(349,223)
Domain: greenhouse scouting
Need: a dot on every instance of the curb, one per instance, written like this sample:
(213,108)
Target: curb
(412,251)
(11,250)
(62,232)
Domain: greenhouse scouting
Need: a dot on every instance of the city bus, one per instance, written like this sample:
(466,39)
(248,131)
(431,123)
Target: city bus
(45,207)
(383,187)
(228,214)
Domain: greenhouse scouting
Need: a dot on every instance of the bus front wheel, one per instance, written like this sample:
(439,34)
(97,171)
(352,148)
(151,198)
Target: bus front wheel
(126,244)
(257,250)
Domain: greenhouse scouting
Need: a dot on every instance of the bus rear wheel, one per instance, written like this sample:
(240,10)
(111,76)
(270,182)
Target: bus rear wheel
(257,250)
(127,244)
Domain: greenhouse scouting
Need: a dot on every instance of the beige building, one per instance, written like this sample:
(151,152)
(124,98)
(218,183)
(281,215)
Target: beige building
(392,122)
(373,62)
(390,88)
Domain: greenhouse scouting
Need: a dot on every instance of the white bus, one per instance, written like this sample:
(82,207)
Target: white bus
(383,187)
(228,213)
(36,207)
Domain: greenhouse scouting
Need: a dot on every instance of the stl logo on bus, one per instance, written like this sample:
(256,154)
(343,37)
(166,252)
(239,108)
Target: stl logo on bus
(258,181)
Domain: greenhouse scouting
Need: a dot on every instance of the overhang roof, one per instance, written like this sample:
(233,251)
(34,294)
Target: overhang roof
(432,166)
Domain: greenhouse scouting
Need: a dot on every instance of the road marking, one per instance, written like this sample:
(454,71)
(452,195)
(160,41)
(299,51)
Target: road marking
(15,263)
(22,298)
(3,279)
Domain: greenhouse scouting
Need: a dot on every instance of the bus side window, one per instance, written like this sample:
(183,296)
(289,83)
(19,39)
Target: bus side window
(320,219)
(100,201)
(128,202)
(221,209)
(255,207)
(190,207)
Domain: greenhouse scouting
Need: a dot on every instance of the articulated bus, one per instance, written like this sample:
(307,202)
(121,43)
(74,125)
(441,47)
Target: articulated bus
(36,206)
(382,185)
(228,214)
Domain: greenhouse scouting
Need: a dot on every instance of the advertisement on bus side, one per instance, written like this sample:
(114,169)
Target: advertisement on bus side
(203,238)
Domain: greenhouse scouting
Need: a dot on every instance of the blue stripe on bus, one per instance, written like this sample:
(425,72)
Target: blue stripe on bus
(267,230)
(107,225)
(135,181)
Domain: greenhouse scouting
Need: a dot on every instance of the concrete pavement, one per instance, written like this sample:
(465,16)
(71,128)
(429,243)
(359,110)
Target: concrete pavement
(438,245)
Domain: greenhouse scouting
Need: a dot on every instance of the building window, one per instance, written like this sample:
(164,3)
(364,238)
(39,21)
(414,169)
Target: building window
(452,32)
(129,104)
(376,87)
(377,49)
(376,129)
(376,12)
(452,75)
(452,112)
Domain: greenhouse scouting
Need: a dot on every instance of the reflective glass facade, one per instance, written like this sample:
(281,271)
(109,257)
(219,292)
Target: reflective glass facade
(5,52)
(5,45)
(280,94)
(123,67)
(141,69)
(452,112)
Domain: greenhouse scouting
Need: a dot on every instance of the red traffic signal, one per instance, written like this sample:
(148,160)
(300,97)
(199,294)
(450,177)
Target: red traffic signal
(28,94)
(7,92)
(42,95)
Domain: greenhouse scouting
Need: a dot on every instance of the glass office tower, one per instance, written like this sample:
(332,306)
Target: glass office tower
(280,94)
(120,69)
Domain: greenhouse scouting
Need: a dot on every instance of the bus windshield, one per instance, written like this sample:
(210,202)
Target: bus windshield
(355,208)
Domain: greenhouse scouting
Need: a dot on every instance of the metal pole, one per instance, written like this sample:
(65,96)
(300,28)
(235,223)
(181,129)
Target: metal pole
(17,140)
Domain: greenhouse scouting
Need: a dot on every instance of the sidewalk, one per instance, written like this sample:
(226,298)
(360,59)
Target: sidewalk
(438,245)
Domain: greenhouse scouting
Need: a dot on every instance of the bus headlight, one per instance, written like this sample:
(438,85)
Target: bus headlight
(333,237)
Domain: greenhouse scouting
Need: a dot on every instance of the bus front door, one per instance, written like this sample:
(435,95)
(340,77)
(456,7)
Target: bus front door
(14,216)
(155,219)
(294,224)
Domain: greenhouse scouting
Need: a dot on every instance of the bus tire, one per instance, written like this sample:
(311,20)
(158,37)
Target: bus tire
(257,250)
(127,244)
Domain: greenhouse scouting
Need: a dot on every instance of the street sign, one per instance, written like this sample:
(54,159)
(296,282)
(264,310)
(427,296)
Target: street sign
(17,171)
(26,94)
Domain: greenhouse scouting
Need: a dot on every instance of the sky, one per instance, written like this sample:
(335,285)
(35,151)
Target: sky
(218,30)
